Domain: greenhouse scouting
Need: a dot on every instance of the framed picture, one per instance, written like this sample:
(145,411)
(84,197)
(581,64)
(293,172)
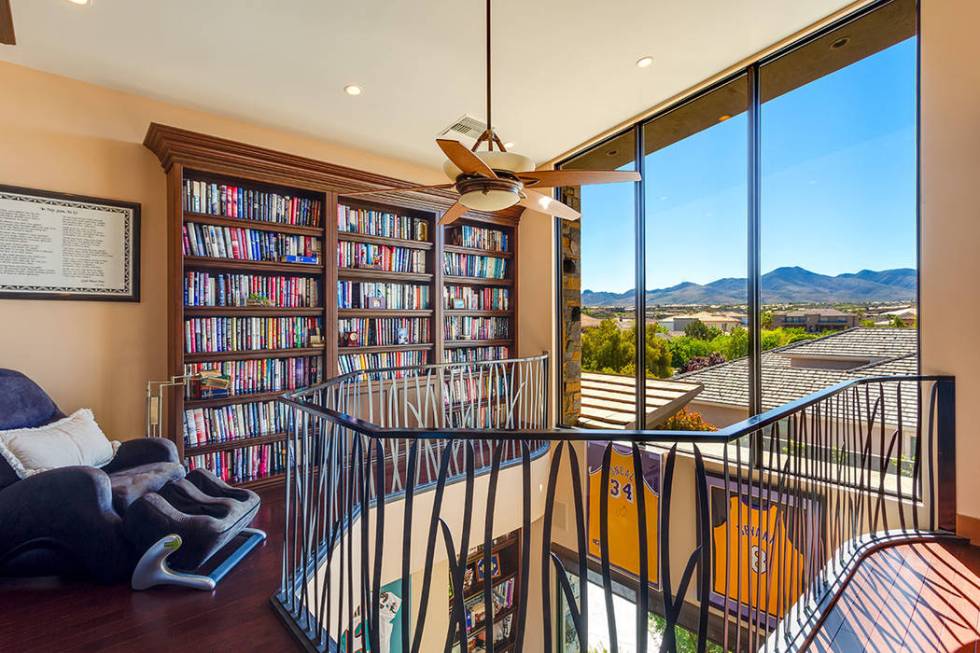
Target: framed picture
(757,535)
(459,304)
(58,246)
(375,303)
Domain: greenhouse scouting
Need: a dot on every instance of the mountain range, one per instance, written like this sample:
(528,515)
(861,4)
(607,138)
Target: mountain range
(781,286)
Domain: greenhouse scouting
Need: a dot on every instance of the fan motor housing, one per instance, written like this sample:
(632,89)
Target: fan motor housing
(476,183)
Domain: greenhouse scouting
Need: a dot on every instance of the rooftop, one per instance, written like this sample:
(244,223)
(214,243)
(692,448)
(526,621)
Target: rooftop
(893,351)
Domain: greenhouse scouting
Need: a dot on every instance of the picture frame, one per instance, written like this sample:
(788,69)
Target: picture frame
(376,303)
(68,247)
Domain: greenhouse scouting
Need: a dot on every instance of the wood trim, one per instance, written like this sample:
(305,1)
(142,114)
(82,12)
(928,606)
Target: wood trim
(968,527)
(197,151)
(261,225)
(201,357)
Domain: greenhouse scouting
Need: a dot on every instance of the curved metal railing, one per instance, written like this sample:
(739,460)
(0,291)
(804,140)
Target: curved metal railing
(776,506)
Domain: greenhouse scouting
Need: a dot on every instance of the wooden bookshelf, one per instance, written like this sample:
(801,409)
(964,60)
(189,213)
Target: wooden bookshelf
(507,550)
(192,156)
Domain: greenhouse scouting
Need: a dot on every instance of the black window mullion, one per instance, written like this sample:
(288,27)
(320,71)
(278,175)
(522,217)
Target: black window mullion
(754,254)
(639,209)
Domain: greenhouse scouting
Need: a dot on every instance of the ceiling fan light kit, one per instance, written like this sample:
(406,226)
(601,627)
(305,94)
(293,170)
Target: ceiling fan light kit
(495,179)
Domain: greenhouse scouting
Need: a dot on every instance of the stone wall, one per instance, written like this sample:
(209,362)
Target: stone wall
(571,313)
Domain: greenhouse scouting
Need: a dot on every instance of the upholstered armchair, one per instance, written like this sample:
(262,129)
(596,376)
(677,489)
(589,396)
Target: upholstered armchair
(69,520)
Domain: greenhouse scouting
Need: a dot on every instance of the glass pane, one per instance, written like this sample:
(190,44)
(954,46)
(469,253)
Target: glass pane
(838,201)
(608,277)
(696,237)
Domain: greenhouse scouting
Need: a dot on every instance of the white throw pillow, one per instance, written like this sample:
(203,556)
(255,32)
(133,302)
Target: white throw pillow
(74,440)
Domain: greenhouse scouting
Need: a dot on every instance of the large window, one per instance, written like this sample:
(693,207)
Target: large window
(771,248)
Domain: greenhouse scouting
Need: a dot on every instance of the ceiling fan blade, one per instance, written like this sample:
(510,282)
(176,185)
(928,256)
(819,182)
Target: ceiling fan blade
(396,190)
(465,160)
(544,204)
(6,24)
(453,213)
(555,178)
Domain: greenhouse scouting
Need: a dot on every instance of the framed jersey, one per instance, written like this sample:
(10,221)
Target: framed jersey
(763,542)
(624,483)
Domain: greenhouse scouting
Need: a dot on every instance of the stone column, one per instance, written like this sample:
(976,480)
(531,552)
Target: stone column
(571,313)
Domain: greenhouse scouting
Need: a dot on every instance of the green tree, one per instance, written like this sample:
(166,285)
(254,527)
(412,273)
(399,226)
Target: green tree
(659,357)
(737,344)
(607,348)
(701,331)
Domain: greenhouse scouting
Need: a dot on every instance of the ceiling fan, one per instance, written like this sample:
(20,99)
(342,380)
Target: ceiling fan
(6,24)
(492,180)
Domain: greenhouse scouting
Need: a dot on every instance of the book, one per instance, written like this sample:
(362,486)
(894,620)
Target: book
(474,265)
(375,222)
(459,327)
(230,334)
(492,240)
(359,294)
(250,204)
(203,288)
(259,375)
(375,332)
(247,244)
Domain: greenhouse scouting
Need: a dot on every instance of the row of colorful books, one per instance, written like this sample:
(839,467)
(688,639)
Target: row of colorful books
(476,354)
(380,257)
(382,295)
(477,328)
(382,360)
(249,244)
(379,331)
(235,422)
(249,204)
(223,334)
(373,222)
(229,289)
(474,265)
(245,464)
(475,299)
(260,375)
(492,240)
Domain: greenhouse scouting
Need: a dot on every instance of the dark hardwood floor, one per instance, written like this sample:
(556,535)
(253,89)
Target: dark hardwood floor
(48,614)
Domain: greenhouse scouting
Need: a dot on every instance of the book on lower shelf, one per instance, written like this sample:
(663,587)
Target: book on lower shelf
(234,422)
(468,298)
(477,354)
(378,222)
(382,295)
(258,376)
(244,334)
(382,331)
(244,244)
(491,240)
(477,328)
(231,201)
(387,258)
(382,360)
(243,465)
(202,288)
(474,265)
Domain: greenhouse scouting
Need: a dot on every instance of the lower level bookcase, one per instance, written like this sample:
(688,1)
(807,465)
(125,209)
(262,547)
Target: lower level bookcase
(505,580)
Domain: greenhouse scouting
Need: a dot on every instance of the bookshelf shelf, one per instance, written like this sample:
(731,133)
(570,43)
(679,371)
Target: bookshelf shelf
(253,355)
(247,398)
(355,237)
(248,311)
(467,313)
(262,225)
(369,350)
(384,312)
(506,559)
(500,342)
(206,175)
(476,281)
(240,265)
(267,481)
(212,447)
(382,275)
(476,251)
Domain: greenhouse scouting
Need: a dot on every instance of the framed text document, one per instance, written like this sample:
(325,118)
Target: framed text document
(57,246)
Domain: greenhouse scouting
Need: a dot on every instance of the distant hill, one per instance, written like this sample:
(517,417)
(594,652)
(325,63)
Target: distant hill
(781,286)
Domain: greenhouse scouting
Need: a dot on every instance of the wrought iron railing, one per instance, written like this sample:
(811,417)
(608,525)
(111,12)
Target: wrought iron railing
(741,535)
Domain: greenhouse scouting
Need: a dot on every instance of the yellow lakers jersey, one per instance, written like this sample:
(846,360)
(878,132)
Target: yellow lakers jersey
(624,527)
(760,557)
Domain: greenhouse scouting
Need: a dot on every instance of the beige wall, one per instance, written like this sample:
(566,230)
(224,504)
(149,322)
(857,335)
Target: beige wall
(950,265)
(536,280)
(62,135)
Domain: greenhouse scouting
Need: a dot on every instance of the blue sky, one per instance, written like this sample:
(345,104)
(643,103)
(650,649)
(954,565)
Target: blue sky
(838,187)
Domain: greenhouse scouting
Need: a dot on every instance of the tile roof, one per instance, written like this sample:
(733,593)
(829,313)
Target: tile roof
(893,352)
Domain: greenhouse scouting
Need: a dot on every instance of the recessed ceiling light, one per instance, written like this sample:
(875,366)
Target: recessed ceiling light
(80,2)
(723,117)
(644,62)
(841,42)
(352,89)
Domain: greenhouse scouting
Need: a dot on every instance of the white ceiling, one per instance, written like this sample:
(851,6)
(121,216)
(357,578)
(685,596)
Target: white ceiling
(563,69)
